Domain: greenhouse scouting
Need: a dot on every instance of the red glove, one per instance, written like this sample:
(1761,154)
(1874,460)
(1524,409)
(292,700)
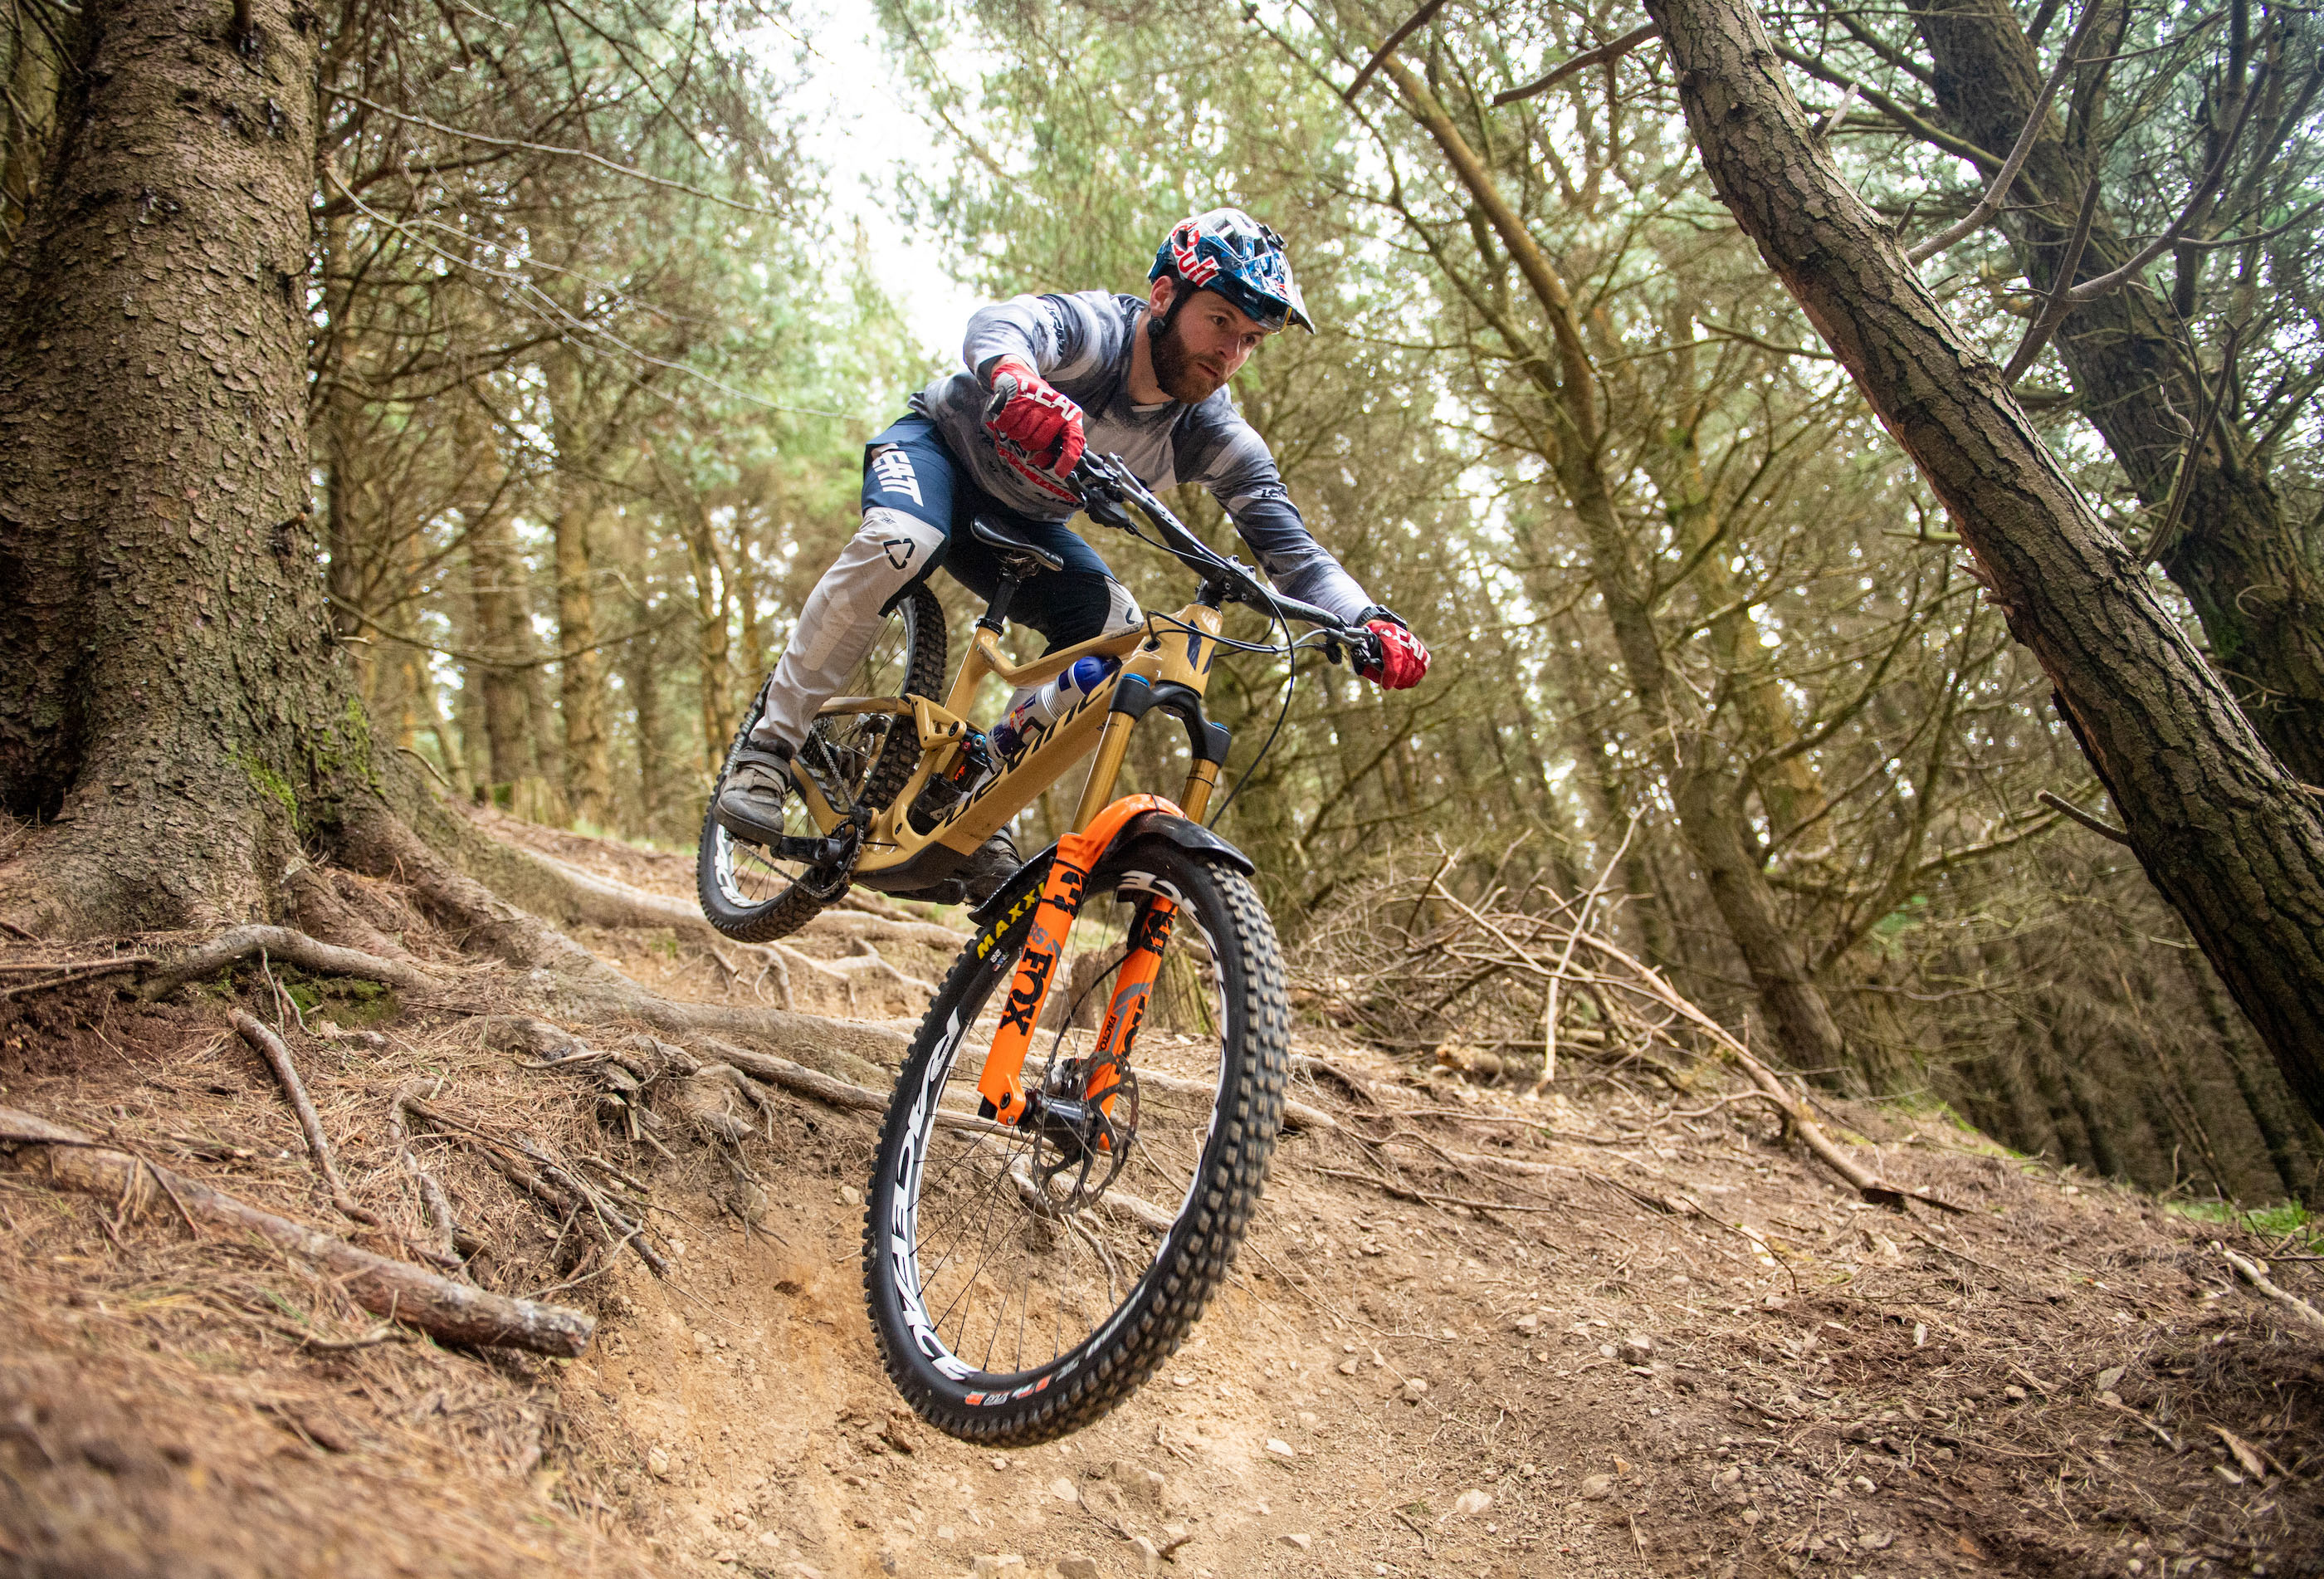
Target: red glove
(1403,657)
(1036,430)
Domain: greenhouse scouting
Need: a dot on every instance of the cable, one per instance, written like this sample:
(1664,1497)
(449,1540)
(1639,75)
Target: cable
(1290,677)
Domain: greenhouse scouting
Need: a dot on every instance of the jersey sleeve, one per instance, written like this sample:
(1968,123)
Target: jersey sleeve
(1228,457)
(1063,337)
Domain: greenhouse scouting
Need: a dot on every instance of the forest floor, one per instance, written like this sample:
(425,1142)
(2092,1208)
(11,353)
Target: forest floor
(1621,1331)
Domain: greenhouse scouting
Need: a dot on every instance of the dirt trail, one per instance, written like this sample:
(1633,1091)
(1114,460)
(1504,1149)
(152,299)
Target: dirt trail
(1668,1347)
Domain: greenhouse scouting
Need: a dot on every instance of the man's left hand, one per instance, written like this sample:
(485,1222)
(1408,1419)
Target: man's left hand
(1403,656)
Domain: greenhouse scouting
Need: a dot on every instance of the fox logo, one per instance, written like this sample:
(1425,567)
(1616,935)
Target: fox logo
(892,469)
(1025,994)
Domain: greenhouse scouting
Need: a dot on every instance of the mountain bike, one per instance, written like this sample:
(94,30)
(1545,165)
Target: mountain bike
(1047,1222)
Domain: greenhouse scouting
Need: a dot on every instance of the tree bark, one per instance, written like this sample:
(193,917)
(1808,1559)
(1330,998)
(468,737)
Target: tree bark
(169,693)
(496,588)
(581,672)
(2231,840)
(2257,589)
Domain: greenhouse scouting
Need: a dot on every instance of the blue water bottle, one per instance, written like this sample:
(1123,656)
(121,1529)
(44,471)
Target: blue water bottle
(1030,716)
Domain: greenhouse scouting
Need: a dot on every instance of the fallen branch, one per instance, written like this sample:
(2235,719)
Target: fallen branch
(2248,1269)
(294,947)
(436,1206)
(277,1054)
(452,1312)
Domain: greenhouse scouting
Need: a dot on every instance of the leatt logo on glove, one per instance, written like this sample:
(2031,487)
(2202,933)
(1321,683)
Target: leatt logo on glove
(893,469)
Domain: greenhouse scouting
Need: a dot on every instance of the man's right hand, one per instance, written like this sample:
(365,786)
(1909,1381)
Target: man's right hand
(1037,430)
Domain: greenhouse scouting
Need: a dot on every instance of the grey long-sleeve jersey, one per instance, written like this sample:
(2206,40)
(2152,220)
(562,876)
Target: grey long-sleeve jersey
(1082,344)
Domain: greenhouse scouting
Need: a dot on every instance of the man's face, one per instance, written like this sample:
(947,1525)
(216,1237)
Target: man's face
(1207,344)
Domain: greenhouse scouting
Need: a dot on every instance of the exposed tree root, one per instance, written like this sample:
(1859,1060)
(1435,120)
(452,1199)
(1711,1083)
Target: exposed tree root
(277,1055)
(454,1312)
(213,955)
(573,984)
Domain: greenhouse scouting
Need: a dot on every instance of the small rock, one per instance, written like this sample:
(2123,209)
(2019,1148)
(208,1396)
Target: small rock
(990,1566)
(1596,1488)
(1347,1367)
(657,1463)
(1000,1461)
(850,1195)
(1750,1516)
(1063,1490)
(1149,1560)
(1414,1389)
(2014,1393)
(1876,1540)
(1470,1503)
(1527,1322)
(1279,1448)
(1299,1542)
(2109,1377)
(1638,1349)
(1864,1484)
(1077,1567)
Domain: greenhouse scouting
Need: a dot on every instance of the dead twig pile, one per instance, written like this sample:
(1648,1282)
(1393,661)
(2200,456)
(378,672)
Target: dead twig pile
(1415,967)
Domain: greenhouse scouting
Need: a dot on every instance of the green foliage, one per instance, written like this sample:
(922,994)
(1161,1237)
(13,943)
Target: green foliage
(2284,1220)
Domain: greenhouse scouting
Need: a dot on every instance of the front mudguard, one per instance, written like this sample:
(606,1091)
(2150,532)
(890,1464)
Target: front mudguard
(1181,831)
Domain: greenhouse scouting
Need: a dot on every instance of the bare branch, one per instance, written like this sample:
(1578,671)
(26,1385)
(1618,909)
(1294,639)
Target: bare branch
(1580,62)
(1988,205)
(1419,20)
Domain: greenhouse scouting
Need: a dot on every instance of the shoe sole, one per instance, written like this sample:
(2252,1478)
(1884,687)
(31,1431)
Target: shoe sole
(743,826)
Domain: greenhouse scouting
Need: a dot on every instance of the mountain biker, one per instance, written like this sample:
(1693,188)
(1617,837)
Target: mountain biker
(1048,376)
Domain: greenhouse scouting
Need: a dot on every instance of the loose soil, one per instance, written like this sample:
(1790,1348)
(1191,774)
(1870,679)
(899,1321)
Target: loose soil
(1624,1330)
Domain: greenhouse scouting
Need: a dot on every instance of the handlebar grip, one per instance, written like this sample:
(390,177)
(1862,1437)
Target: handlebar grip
(1004,390)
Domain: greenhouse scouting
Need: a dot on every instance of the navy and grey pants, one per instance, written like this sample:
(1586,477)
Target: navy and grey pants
(918,503)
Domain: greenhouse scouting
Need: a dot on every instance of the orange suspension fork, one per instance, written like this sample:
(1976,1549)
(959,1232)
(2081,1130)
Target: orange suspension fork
(1133,991)
(1000,1084)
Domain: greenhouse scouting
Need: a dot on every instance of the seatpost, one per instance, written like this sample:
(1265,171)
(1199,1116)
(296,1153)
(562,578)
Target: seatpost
(995,617)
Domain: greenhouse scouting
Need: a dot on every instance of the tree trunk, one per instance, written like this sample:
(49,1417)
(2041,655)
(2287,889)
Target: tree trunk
(2254,585)
(169,693)
(497,588)
(581,673)
(2231,840)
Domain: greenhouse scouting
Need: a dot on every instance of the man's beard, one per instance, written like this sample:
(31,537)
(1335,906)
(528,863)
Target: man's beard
(1182,378)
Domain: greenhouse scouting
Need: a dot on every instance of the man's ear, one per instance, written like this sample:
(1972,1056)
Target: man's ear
(1158,299)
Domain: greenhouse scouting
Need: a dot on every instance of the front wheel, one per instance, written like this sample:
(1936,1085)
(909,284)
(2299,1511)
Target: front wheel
(1023,1281)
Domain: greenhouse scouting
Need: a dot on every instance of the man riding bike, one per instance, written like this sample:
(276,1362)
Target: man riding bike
(1048,376)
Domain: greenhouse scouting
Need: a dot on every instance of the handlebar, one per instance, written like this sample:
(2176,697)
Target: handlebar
(1105,483)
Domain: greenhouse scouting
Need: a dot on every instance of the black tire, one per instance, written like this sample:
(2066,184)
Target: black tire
(1116,1297)
(746,892)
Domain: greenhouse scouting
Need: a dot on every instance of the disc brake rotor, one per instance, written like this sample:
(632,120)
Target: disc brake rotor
(1080,1143)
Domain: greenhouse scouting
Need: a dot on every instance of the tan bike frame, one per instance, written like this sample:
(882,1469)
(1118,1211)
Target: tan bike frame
(1168,649)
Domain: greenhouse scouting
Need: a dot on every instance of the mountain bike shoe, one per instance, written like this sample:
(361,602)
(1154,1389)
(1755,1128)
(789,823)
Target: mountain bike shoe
(757,794)
(994,864)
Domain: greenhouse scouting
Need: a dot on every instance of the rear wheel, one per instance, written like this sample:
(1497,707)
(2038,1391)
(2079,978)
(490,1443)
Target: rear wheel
(1024,1281)
(751,894)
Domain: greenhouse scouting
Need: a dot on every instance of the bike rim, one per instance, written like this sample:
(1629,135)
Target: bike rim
(1002,1273)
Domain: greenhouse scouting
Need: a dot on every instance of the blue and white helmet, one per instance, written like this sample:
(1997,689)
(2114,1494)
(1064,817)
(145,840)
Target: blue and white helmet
(1229,252)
